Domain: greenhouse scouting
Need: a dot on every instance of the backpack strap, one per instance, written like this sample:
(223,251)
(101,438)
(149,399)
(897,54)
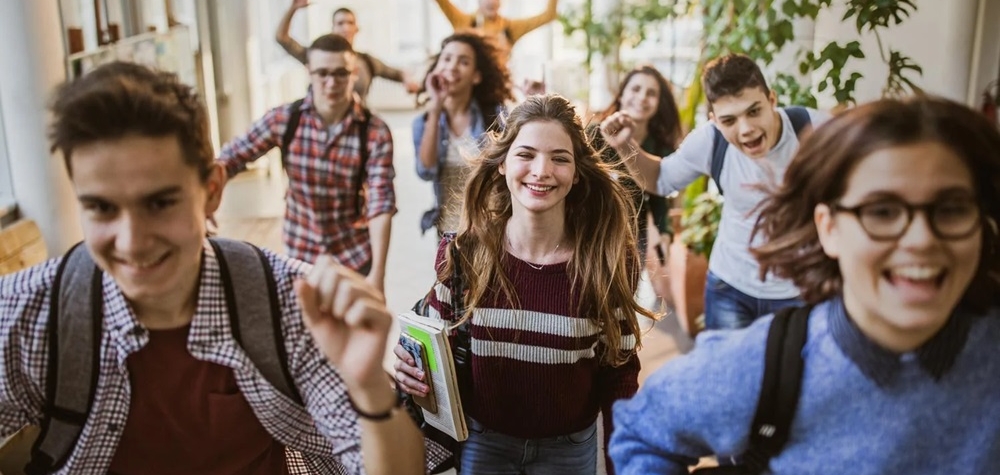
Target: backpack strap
(780,387)
(362,175)
(74,359)
(255,316)
(797,115)
(294,117)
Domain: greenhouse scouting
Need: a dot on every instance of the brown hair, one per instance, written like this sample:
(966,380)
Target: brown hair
(332,43)
(494,87)
(665,125)
(729,75)
(604,269)
(120,99)
(825,161)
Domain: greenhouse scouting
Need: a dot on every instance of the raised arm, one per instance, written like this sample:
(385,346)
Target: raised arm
(264,135)
(522,26)
(350,324)
(456,17)
(292,47)
(617,132)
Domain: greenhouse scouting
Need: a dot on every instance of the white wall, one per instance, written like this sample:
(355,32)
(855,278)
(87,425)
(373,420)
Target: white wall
(939,37)
(28,74)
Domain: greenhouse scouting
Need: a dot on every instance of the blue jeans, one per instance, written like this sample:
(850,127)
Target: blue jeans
(487,452)
(728,308)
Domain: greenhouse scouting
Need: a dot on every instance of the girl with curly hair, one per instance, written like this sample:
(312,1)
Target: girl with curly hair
(464,94)
(647,97)
(547,248)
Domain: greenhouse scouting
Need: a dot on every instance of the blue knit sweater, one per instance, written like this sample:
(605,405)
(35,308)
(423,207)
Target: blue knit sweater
(846,423)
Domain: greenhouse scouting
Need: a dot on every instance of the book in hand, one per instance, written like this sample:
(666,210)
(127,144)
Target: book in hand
(442,408)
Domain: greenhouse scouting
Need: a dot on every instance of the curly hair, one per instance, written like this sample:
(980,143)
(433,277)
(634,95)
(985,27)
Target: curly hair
(604,269)
(665,125)
(119,99)
(825,161)
(494,89)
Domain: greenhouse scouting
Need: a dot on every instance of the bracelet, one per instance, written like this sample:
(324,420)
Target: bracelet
(376,416)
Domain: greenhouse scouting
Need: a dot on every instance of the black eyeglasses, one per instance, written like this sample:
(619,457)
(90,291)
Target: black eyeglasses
(339,74)
(888,219)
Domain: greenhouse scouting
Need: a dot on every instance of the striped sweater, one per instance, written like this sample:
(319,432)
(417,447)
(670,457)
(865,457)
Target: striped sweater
(536,370)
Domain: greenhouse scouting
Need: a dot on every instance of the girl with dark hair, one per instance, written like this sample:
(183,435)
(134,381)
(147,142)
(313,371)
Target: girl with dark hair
(887,222)
(647,97)
(547,250)
(464,93)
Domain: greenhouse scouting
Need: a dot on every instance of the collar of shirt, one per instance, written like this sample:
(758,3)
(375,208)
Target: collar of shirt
(210,338)
(936,356)
(355,112)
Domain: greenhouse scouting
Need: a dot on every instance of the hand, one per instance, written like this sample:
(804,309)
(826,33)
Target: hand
(408,376)
(349,322)
(617,129)
(437,88)
(377,281)
(297,4)
(531,87)
(412,85)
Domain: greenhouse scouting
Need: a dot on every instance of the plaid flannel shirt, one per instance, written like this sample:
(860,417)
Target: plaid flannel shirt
(321,438)
(322,167)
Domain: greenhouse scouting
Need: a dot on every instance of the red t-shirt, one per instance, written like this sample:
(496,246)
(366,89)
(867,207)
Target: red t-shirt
(188,416)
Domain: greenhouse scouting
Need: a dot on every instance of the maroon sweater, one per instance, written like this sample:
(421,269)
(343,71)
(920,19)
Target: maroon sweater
(536,371)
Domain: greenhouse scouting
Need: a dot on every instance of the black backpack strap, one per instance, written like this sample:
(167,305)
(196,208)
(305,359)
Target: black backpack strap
(294,117)
(799,117)
(255,315)
(75,318)
(362,175)
(719,147)
(780,387)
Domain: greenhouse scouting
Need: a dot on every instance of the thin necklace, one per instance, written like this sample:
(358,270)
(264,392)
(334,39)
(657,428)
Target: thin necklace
(533,266)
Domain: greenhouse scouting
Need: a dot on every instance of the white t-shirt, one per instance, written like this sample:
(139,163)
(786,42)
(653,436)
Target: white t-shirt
(731,260)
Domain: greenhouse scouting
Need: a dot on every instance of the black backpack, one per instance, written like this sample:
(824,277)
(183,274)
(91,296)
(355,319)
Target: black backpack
(75,331)
(798,116)
(295,116)
(779,394)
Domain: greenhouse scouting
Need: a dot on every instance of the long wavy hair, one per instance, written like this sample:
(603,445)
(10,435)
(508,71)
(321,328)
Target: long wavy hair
(819,172)
(604,269)
(494,88)
(665,125)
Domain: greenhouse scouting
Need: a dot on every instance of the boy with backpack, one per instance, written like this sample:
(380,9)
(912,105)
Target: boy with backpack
(748,142)
(338,158)
(150,348)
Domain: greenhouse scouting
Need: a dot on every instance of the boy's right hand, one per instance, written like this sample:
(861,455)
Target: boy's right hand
(408,376)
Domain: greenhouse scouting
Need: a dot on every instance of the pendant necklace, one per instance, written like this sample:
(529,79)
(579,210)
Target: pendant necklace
(533,266)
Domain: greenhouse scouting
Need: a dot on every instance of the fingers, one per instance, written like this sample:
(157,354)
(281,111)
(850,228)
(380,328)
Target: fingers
(408,377)
(332,290)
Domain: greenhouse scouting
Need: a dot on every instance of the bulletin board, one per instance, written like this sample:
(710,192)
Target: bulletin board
(170,51)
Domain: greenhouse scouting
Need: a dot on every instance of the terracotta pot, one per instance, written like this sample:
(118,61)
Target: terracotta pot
(687,286)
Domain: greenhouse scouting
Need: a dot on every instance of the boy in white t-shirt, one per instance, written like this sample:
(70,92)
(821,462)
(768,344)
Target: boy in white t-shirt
(748,141)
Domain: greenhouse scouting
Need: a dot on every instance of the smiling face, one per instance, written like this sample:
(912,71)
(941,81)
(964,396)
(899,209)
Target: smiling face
(540,169)
(457,64)
(143,211)
(748,120)
(640,97)
(900,292)
(489,8)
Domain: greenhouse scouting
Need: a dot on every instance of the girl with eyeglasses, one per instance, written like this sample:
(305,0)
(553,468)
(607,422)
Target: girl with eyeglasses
(464,94)
(887,222)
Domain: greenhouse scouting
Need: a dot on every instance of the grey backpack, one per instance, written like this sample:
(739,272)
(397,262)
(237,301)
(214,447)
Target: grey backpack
(75,334)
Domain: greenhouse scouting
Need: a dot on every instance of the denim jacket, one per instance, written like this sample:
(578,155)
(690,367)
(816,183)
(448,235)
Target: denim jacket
(477,127)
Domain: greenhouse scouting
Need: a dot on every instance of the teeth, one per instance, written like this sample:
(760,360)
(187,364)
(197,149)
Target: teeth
(917,272)
(144,264)
(539,188)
